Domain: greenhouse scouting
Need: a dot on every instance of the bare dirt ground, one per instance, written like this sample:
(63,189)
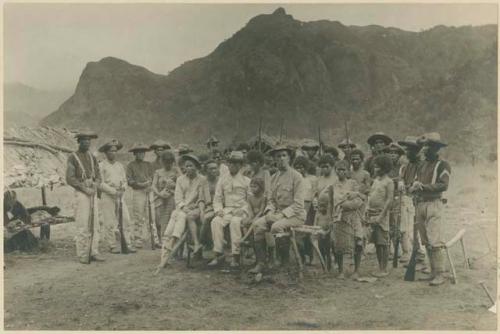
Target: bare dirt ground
(51,290)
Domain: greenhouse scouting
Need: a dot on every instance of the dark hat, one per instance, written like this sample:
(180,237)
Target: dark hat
(212,139)
(395,147)
(309,143)
(432,138)
(86,134)
(160,143)
(281,148)
(379,135)
(409,141)
(236,156)
(301,161)
(104,148)
(139,147)
(191,157)
(184,149)
(346,143)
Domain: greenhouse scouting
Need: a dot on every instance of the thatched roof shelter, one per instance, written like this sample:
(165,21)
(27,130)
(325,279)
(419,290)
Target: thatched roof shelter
(36,157)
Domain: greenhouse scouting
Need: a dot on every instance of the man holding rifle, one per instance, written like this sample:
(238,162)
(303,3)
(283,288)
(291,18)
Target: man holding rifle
(83,175)
(432,179)
(140,179)
(113,187)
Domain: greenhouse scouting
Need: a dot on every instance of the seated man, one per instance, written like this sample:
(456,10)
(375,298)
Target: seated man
(285,208)
(187,208)
(207,193)
(230,205)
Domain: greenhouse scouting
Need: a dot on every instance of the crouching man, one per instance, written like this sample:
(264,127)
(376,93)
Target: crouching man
(230,205)
(285,208)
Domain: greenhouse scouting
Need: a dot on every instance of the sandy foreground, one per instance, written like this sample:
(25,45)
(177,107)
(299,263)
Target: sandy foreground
(52,291)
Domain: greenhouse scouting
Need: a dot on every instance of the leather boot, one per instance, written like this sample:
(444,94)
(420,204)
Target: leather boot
(438,259)
(260,256)
(283,247)
(235,261)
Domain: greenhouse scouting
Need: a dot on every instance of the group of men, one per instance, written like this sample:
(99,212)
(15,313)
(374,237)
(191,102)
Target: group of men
(396,194)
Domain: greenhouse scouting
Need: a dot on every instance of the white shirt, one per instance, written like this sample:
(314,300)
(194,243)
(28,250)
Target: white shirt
(113,175)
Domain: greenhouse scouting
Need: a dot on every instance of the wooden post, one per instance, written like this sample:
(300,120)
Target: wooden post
(314,242)
(453,273)
(44,228)
(466,258)
(297,255)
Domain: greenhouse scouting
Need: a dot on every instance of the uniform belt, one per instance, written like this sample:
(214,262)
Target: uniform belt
(431,199)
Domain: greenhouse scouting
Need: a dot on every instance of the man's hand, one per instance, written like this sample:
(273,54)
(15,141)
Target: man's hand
(401,186)
(315,203)
(220,213)
(417,186)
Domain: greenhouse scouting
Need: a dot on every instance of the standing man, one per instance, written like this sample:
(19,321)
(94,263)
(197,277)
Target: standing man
(230,201)
(140,179)
(158,147)
(433,177)
(408,175)
(114,181)
(347,146)
(285,208)
(83,175)
(310,149)
(395,152)
(378,142)
(212,143)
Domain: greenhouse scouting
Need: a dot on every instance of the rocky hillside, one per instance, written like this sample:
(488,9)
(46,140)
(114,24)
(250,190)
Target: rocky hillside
(308,73)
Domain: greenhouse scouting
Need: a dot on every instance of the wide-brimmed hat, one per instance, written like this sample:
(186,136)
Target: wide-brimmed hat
(212,139)
(432,138)
(139,147)
(184,149)
(116,143)
(281,148)
(346,143)
(191,157)
(379,135)
(236,156)
(86,134)
(395,147)
(160,143)
(309,143)
(409,141)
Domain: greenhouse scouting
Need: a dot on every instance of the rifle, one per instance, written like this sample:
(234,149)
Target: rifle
(91,226)
(348,141)
(150,218)
(123,243)
(260,134)
(319,141)
(281,131)
(410,270)
(397,234)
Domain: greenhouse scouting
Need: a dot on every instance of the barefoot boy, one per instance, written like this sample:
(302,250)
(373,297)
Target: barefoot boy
(379,203)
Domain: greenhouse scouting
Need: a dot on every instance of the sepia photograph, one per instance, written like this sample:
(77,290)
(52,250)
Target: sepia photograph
(250,166)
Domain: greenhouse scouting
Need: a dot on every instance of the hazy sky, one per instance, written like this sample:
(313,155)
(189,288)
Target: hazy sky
(48,45)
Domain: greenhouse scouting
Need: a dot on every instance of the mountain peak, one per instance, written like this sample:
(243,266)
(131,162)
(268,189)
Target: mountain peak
(279,11)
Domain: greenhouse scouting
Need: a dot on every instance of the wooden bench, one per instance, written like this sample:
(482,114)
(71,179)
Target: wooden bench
(458,237)
(312,232)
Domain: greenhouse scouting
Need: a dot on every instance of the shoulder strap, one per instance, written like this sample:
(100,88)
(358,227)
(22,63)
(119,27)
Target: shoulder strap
(92,165)
(84,175)
(435,172)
